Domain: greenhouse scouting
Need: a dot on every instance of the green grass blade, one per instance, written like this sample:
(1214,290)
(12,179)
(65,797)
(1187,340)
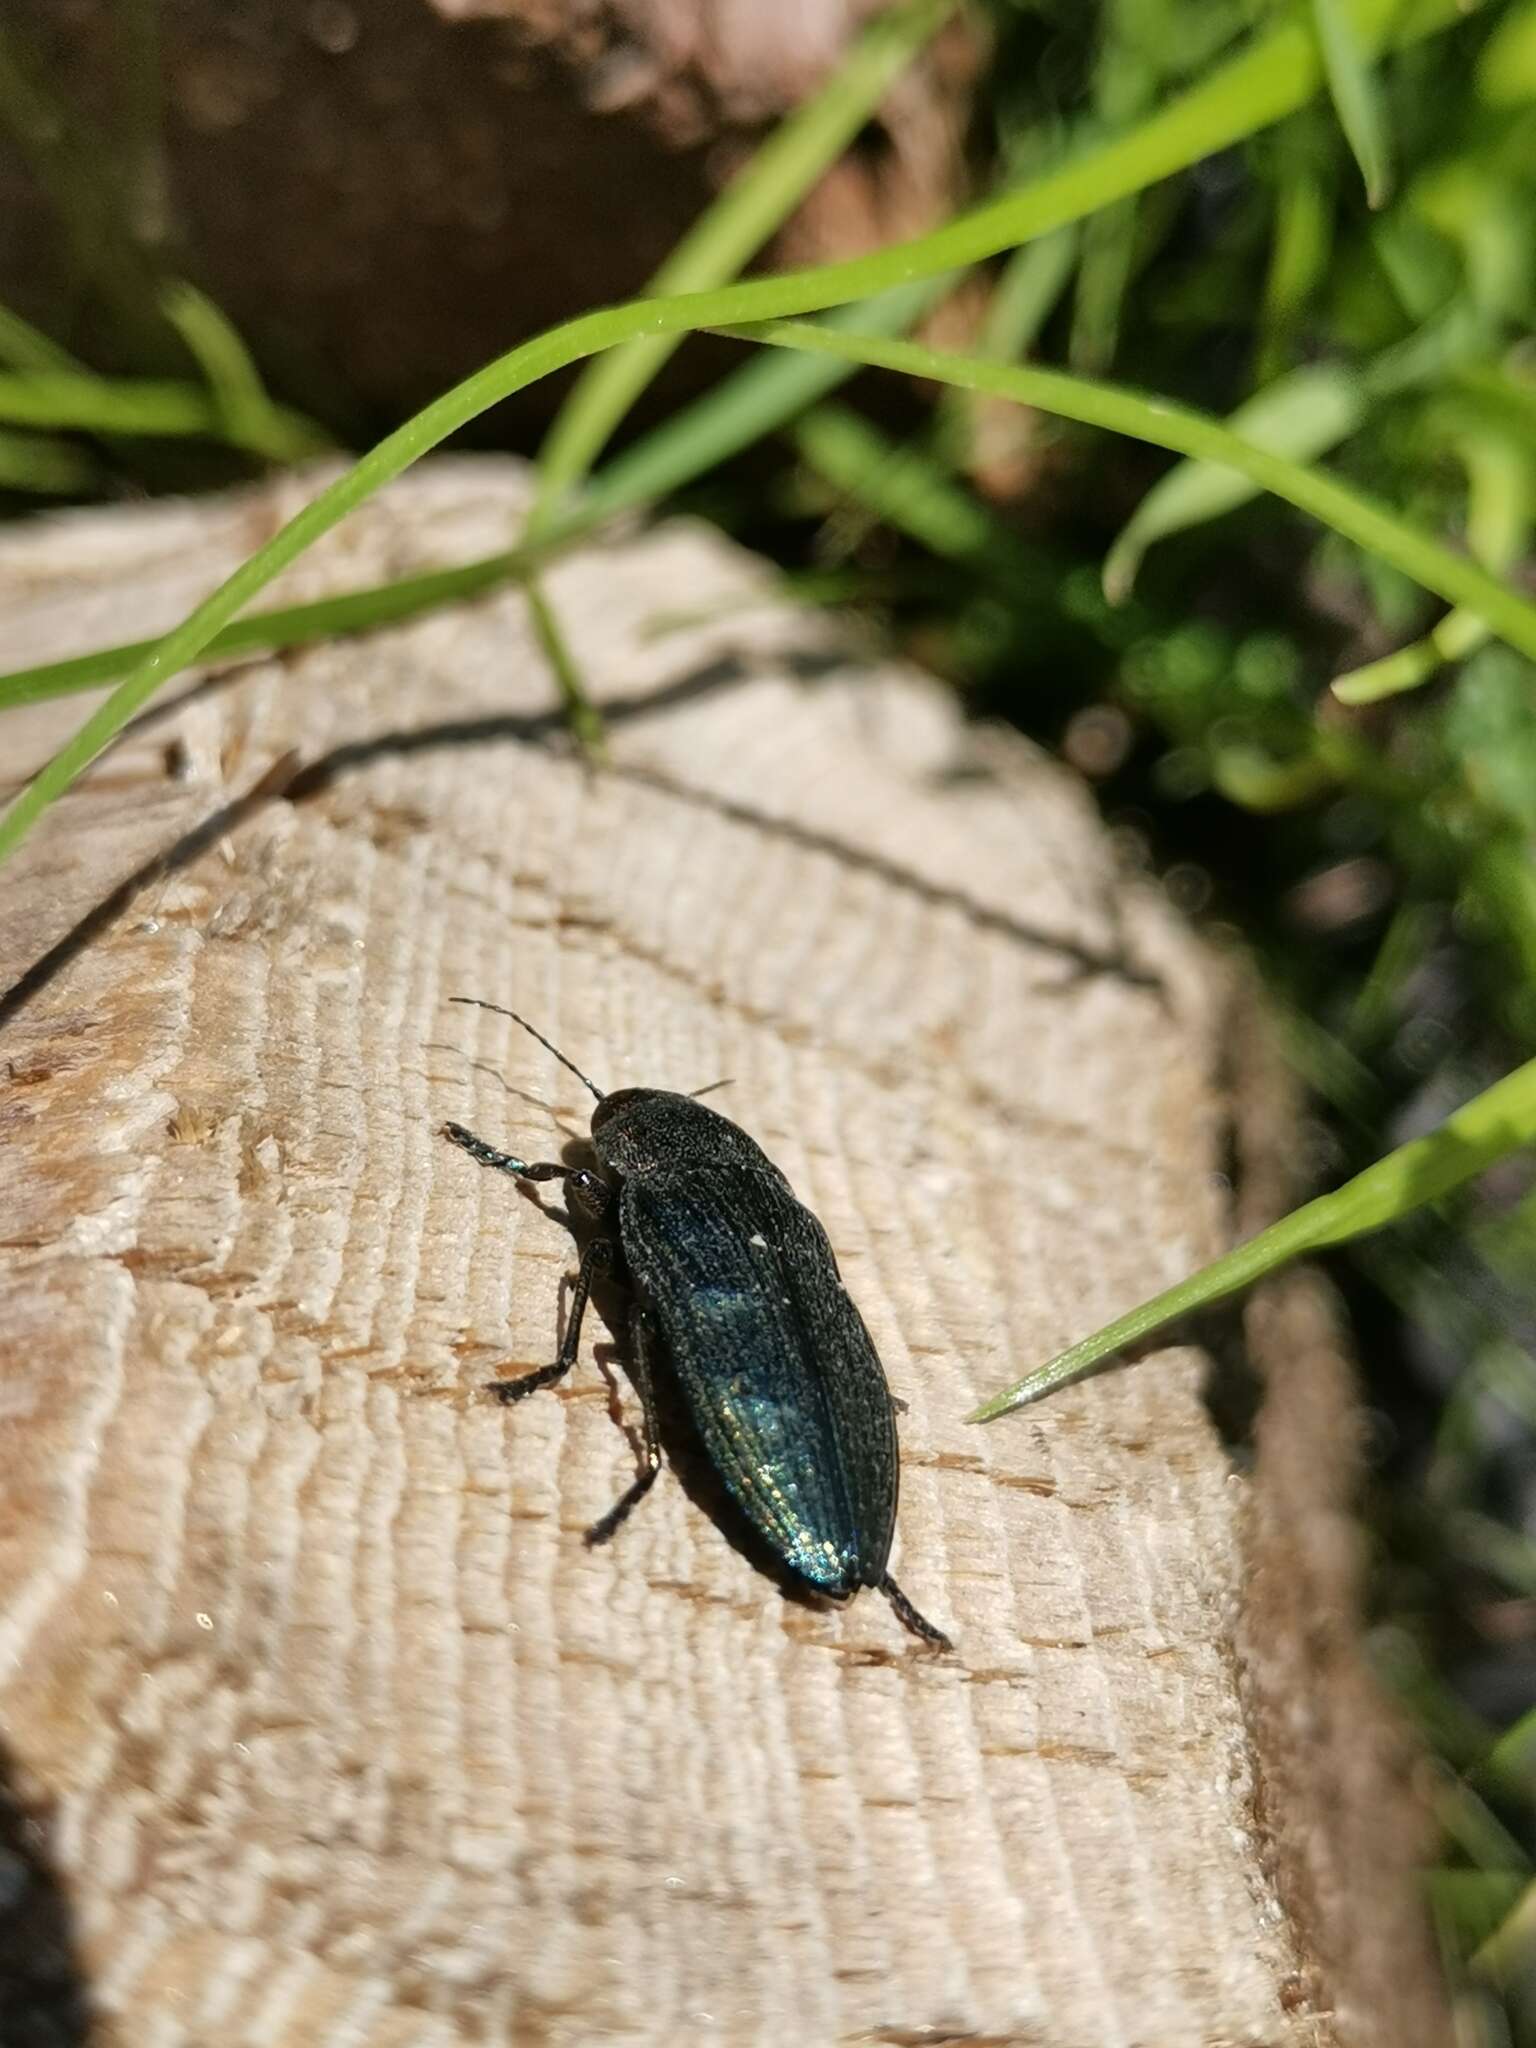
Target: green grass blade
(138,154)
(1505,1956)
(1167,425)
(1475,1829)
(48,468)
(25,347)
(1032,281)
(900,485)
(1456,636)
(1301,243)
(1499,1121)
(1474,1904)
(219,353)
(735,226)
(1506,391)
(1027,291)
(1498,530)
(1275,75)
(1108,247)
(584,721)
(125,405)
(1506,65)
(906,488)
(754,401)
(134,407)
(103,405)
(1356,99)
(1302,415)
(248,416)
(1511,1764)
(294,625)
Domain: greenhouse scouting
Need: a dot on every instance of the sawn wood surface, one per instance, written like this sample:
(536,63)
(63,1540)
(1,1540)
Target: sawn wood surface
(321,1723)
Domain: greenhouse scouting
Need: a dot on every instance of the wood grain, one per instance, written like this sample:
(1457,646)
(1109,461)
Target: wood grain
(338,1731)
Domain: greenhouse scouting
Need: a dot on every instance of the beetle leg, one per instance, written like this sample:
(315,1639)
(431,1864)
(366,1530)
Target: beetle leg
(645,1478)
(908,1615)
(598,1254)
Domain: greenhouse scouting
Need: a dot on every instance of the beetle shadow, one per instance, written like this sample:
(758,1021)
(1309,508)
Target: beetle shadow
(682,1450)
(493,1073)
(45,1998)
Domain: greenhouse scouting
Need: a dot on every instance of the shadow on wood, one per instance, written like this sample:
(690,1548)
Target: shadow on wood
(45,2001)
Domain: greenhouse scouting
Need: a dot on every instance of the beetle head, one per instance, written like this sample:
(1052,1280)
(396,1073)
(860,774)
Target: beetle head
(617,1103)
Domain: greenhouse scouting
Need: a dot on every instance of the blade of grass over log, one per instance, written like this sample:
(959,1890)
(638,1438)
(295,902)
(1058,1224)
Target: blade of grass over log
(1147,417)
(1276,74)
(1499,1121)
(763,395)
(730,231)
(294,625)
(766,393)
(586,726)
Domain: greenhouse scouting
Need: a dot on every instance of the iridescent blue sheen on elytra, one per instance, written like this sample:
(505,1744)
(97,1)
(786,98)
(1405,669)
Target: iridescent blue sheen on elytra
(779,1373)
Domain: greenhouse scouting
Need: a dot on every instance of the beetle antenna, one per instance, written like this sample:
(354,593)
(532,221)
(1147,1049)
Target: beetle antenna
(559,1055)
(695,1093)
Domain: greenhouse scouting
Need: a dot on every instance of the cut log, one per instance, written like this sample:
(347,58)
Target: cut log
(321,1723)
(382,197)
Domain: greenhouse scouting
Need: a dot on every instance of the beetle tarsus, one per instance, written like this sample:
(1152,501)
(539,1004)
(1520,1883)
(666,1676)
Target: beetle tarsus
(909,1617)
(508,1391)
(504,1162)
(607,1525)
